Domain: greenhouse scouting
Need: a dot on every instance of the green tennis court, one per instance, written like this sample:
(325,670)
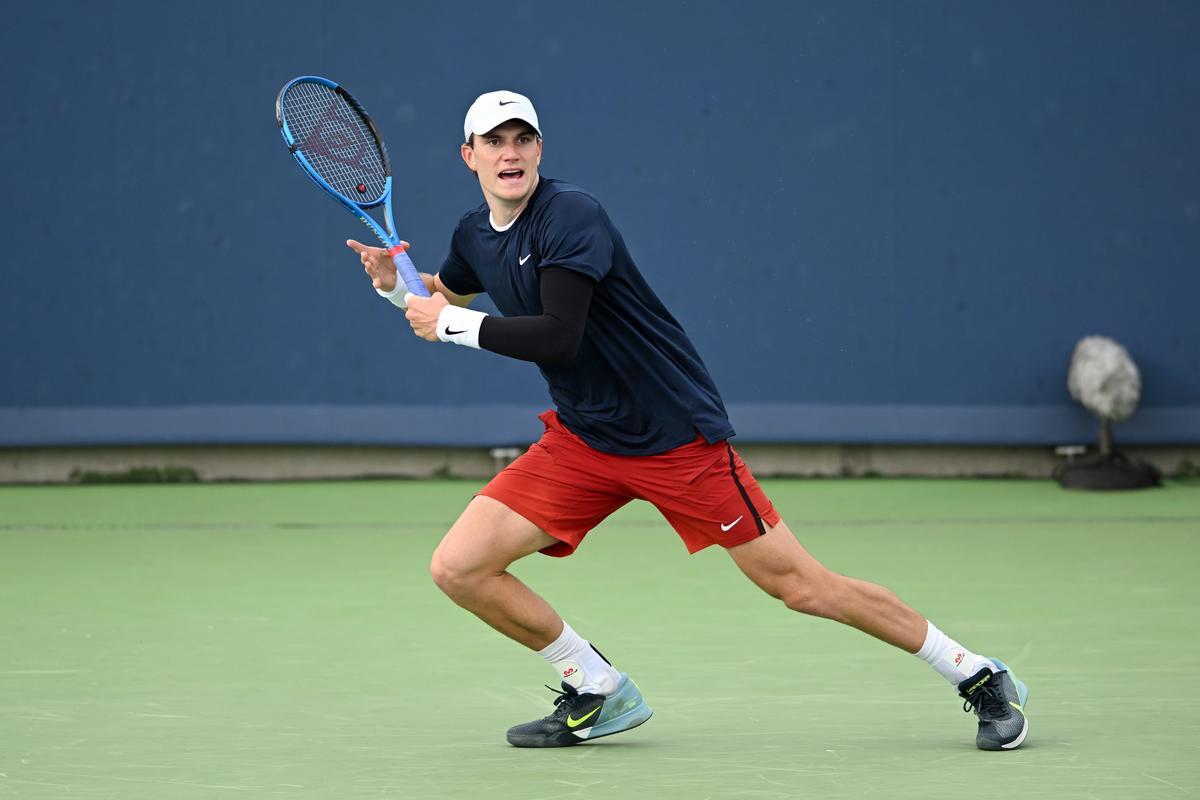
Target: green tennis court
(284,640)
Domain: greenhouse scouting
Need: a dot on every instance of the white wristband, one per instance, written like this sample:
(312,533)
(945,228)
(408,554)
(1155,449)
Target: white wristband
(396,296)
(460,325)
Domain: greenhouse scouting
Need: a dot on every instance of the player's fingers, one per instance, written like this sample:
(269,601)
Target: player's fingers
(365,251)
(405,245)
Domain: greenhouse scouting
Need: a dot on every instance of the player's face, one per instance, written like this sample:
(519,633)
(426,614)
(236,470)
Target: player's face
(506,160)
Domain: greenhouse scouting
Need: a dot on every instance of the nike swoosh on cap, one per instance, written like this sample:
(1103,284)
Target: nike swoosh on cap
(508,102)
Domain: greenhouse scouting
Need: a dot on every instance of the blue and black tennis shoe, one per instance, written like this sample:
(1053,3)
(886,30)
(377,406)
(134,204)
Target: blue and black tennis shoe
(582,717)
(998,699)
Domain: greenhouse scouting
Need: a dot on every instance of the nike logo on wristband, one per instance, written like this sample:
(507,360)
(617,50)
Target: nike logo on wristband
(459,326)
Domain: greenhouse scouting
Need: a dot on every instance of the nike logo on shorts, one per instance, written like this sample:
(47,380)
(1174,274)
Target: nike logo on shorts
(725,528)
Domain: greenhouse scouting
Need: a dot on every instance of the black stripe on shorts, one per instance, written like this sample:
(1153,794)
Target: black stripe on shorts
(762,529)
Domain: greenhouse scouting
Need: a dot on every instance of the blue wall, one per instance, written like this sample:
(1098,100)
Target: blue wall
(883,222)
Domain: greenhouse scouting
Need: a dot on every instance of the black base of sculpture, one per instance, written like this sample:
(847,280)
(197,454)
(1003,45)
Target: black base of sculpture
(1104,473)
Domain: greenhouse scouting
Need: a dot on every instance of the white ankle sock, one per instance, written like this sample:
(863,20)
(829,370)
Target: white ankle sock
(579,664)
(950,659)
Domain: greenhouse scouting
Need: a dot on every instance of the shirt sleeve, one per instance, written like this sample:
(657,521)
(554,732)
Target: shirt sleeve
(456,274)
(552,337)
(575,235)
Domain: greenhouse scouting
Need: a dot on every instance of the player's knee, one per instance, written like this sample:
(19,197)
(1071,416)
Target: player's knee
(449,576)
(815,597)
(802,599)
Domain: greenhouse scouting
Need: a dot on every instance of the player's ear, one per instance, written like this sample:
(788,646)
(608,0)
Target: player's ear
(468,156)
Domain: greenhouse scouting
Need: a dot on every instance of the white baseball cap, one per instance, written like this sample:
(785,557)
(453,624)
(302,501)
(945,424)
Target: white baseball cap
(495,108)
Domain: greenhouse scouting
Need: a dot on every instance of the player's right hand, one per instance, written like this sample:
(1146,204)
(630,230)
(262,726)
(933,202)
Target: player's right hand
(377,264)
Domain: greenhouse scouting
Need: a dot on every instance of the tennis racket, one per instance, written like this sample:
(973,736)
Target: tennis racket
(338,146)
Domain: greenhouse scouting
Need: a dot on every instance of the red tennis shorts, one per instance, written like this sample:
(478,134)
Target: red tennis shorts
(566,488)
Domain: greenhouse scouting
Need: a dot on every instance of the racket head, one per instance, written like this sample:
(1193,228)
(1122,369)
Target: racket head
(334,141)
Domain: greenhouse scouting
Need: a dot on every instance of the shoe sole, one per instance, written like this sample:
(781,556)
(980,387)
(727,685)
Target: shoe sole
(628,722)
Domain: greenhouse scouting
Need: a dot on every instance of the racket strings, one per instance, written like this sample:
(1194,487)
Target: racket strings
(336,140)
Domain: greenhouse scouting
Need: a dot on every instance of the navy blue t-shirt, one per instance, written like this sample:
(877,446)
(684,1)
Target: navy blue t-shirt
(637,385)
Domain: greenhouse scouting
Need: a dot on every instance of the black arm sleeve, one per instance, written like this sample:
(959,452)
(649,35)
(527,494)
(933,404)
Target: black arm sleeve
(552,337)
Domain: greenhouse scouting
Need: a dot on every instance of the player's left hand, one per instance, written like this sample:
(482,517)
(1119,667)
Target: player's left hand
(423,313)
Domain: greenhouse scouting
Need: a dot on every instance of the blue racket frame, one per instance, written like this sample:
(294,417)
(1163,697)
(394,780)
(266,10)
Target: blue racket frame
(404,265)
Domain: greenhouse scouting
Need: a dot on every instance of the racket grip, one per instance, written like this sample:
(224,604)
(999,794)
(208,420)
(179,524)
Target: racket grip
(407,271)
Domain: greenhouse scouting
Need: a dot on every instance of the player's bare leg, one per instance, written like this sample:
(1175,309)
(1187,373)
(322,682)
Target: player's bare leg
(471,567)
(781,567)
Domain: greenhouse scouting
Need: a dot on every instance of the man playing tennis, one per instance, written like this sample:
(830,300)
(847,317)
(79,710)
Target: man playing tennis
(637,417)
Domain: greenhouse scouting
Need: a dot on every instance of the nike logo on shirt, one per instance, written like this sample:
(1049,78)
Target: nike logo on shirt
(523,260)
(726,528)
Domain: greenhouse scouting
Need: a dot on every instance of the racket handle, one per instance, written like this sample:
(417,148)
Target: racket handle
(407,271)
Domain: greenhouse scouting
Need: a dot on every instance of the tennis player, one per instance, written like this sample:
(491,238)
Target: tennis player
(636,416)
